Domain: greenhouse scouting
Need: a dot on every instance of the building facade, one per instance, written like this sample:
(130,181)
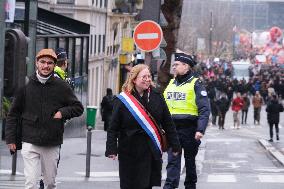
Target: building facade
(107,28)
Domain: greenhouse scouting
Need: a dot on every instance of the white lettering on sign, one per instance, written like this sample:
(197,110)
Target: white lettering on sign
(148,36)
(176,96)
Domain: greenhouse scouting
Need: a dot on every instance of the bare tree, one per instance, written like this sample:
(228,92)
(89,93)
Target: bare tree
(172,10)
(197,21)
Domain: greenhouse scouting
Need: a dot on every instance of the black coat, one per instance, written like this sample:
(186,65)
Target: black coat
(223,105)
(273,110)
(35,104)
(139,164)
(106,106)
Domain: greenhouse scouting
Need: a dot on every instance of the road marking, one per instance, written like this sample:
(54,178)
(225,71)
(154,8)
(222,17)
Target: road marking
(271,178)
(100,174)
(224,140)
(11,182)
(9,171)
(148,36)
(221,178)
(269,169)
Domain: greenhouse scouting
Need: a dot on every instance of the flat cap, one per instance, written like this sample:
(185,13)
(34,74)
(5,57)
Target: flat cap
(46,52)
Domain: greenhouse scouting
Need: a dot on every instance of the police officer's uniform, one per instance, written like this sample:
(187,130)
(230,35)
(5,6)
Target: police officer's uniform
(187,101)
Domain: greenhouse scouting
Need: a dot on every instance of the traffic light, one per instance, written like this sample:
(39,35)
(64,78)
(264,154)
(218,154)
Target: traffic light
(14,61)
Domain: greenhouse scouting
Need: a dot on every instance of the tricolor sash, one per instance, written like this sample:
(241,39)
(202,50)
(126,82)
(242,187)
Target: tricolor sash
(142,118)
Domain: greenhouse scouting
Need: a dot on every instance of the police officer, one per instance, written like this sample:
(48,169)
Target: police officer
(187,101)
(61,64)
(60,69)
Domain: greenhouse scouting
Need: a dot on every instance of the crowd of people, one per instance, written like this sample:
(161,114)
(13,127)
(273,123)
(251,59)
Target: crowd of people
(265,86)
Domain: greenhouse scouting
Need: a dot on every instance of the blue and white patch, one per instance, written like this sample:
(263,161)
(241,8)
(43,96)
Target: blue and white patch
(203,93)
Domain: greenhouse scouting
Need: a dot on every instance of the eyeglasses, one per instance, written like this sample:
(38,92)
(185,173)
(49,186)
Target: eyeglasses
(146,77)
(46,62)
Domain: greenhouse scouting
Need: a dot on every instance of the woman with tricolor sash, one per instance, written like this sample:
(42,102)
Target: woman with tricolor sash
(133,135)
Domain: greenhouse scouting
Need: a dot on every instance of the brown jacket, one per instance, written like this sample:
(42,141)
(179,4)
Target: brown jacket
(257,101)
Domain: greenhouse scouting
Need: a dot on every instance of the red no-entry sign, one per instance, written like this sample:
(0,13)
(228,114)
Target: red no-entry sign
(148,35)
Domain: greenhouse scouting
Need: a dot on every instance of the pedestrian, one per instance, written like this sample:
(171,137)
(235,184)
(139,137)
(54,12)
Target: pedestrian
(257,102)
(223,105)
(188,103)
(60,69)
(273,110)
(61,64)
(137,113)
(106,108)
(42,113)
(214,111)
(245,108)
(237,105)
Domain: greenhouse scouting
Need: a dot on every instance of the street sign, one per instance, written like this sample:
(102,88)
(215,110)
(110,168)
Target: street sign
(127,45)
(148,35)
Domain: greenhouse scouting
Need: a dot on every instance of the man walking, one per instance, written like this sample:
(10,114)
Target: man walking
(257,102)
(187,101)
(106,108)
(42,113)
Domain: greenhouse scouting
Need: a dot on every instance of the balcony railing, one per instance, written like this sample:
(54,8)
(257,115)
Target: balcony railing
(65,2)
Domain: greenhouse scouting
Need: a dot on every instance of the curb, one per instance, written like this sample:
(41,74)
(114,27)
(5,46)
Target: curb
(272,150)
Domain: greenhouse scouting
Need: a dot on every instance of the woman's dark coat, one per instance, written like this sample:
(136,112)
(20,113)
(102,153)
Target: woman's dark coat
(273,110)
(139,163)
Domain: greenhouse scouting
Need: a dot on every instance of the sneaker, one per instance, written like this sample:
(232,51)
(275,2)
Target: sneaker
(277,137)
(270,140)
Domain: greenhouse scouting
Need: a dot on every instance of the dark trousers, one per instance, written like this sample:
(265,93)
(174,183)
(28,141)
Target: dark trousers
(107,122)
(257,114)
(190,146)
(244,116)
(221,122)
(271,130)
(214,119)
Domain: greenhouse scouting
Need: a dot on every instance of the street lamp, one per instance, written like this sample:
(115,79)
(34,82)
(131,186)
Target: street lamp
(210,33)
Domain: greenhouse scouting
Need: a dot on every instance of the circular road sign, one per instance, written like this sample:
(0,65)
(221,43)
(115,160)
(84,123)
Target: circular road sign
(148,35)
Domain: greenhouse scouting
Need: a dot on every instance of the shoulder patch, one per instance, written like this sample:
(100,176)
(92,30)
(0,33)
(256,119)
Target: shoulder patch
(203,93)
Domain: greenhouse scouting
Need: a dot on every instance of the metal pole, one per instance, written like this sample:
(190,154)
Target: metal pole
(210,34)
(88,154)
(2,50)
(14,163)
(30,31)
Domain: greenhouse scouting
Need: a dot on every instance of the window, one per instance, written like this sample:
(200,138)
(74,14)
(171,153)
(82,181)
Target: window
(66,2)
(91,45)
(95,45)
(104,42)
(99,49)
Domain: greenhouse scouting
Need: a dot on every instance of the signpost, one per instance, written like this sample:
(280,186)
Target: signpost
(148,35)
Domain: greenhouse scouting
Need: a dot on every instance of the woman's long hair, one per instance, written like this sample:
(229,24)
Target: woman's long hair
(128,85)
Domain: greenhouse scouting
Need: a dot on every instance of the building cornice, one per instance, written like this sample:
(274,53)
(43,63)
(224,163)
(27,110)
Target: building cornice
(78,8)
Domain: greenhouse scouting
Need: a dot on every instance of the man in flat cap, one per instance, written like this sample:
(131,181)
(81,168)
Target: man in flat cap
(42,113)
(187,101)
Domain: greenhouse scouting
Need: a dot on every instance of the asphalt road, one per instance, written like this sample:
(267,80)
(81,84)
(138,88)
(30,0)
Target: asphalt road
(227,158)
